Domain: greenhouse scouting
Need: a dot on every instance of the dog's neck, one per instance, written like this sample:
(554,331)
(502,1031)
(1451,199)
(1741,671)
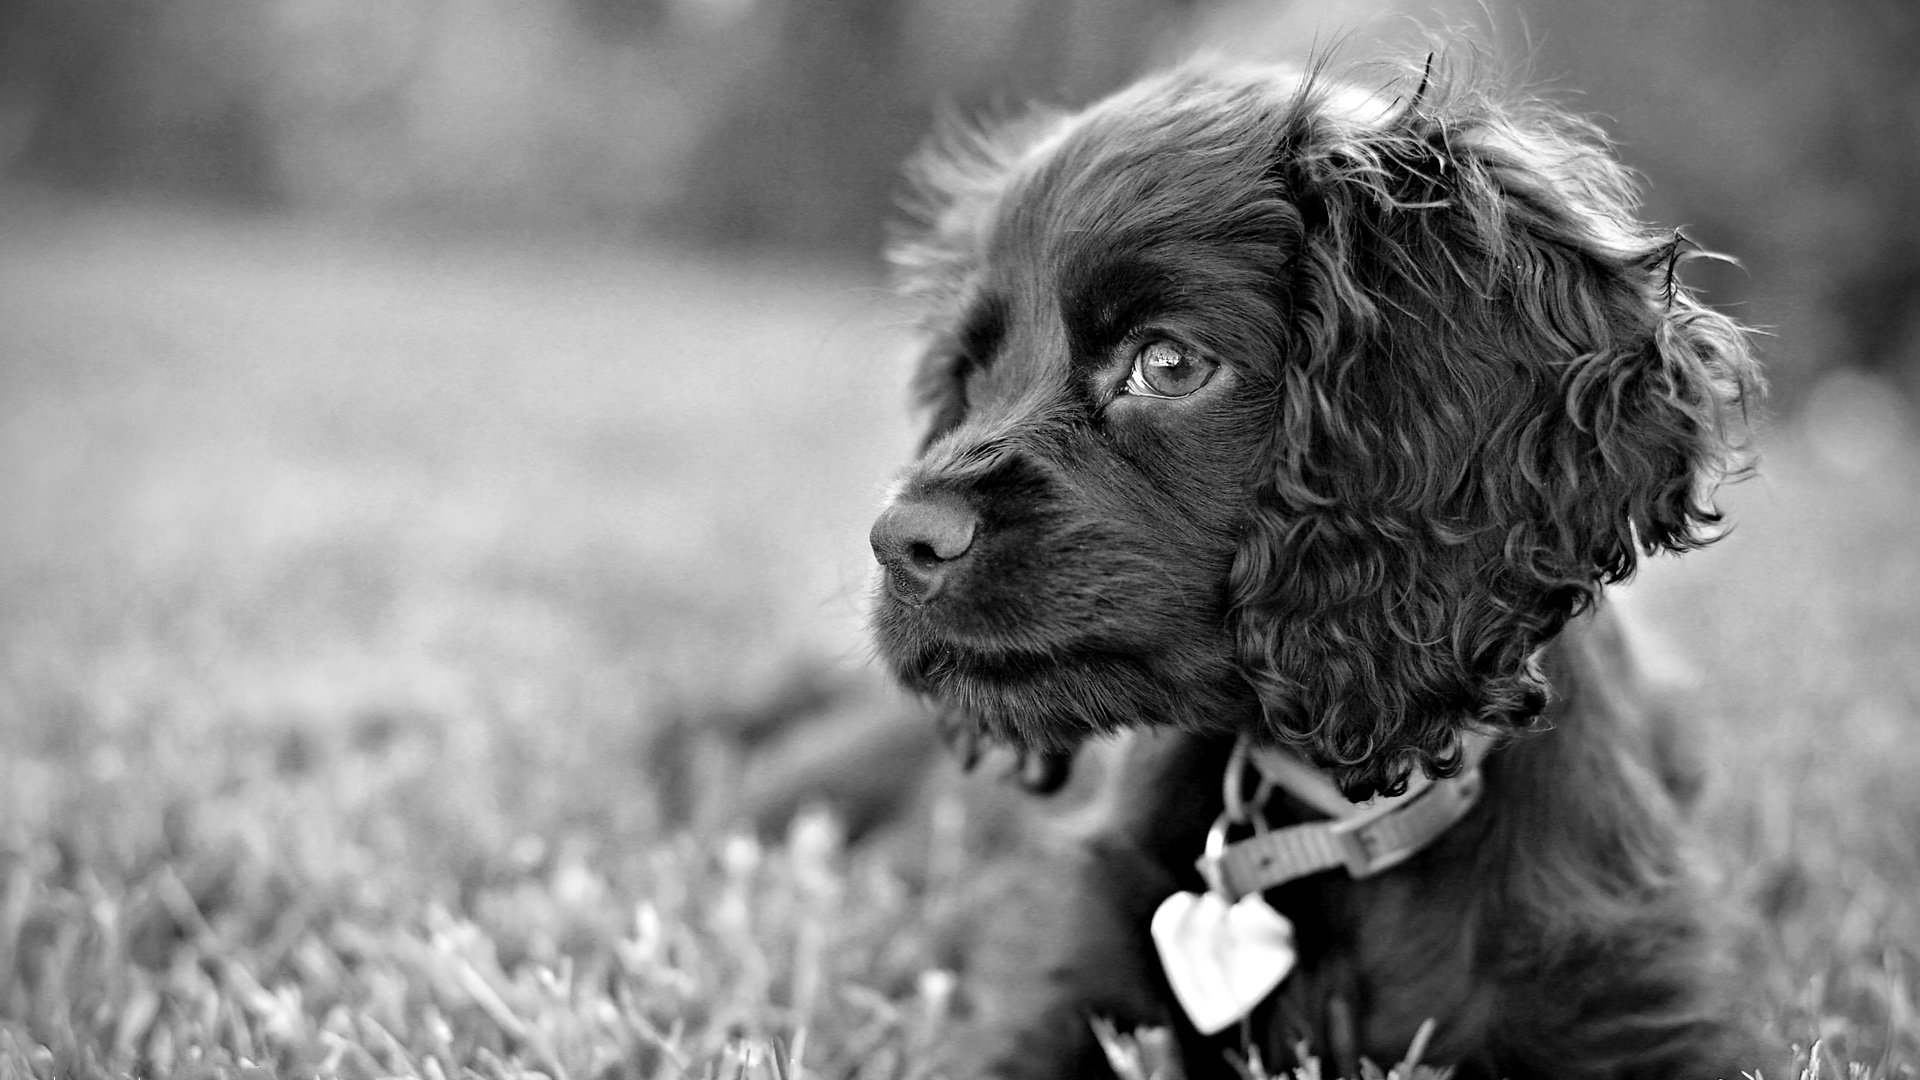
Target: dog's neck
(1365,838)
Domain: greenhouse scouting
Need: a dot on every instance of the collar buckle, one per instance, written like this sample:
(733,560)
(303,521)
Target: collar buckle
(1363,848)
(1375,842)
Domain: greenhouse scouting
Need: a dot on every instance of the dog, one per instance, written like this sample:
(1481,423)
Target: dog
(1295,431)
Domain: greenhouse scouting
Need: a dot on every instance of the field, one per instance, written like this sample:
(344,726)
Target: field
(373,613)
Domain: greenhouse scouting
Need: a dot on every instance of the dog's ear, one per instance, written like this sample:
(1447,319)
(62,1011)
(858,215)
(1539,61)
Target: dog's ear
(1495,397)
(955,186)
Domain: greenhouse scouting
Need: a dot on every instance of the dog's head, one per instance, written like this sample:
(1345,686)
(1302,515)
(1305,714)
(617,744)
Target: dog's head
(1259,404)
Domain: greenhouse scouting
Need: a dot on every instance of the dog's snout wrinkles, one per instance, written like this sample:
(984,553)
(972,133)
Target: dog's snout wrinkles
(918,541)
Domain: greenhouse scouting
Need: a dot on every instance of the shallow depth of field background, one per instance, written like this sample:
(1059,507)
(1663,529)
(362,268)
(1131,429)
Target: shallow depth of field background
(437,444)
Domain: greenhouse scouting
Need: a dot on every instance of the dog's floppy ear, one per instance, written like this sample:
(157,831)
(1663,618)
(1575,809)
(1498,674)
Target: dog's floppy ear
(1495,396)
(955,186)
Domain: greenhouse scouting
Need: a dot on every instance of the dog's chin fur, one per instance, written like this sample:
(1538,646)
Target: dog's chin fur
(1459,391)
(1052,702)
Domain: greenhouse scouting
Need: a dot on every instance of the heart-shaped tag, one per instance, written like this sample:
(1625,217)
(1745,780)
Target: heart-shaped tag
(1221,958)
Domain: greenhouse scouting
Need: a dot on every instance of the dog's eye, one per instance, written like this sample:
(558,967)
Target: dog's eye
(1162,369)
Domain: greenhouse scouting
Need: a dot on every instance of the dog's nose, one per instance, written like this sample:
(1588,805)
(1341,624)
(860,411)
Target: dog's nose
(918,541)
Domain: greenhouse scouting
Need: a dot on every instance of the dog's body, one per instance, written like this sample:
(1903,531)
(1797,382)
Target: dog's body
(1267,410)
(1543,935)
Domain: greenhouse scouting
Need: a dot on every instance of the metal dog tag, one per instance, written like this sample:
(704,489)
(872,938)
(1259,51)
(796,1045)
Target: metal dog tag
(1221,959)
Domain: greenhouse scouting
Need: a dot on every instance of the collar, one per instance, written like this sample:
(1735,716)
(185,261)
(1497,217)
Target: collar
(1365,838)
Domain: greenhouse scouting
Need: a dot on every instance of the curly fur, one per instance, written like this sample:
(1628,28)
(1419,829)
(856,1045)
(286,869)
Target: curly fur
(1480,394)
(1459,392)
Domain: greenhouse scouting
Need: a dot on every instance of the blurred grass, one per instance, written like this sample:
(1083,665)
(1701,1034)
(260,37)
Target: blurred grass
(348,584)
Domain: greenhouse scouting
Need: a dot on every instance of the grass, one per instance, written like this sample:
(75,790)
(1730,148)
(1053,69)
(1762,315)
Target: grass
(357,595)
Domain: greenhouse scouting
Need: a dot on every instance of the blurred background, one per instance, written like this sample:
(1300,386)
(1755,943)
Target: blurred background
(1784,133)
(437,445)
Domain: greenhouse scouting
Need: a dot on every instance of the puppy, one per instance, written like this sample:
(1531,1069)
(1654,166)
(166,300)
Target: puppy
(1297,430)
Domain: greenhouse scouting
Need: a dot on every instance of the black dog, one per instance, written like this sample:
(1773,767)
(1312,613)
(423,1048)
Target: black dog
(1282,423)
